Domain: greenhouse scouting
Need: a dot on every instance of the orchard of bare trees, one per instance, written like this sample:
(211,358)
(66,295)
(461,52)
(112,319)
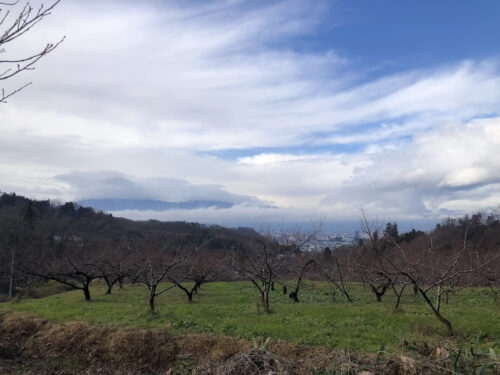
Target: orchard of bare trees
(76,246)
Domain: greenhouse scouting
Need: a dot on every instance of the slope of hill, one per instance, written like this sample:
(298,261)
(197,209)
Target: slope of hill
(24,222)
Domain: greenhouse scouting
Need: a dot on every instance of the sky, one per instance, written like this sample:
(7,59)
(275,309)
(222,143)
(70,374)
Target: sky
(260,112)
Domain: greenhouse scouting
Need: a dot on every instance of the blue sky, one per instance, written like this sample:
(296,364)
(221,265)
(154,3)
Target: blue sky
(414,34)
(291,111)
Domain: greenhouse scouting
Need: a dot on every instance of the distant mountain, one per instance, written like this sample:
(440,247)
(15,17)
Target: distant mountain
(150,204)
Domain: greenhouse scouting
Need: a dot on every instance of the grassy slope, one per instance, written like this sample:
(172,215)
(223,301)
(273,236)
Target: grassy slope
(232,308)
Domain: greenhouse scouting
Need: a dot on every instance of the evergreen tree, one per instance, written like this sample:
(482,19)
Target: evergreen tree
(391,230)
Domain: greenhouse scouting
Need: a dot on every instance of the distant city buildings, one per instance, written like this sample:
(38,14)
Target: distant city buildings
(321,240)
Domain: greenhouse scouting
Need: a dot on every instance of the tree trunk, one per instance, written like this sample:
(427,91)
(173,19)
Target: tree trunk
(347,295)
(398,300)
(189,293)
(398,295)
(109,284)
(438,315)
(445,321)
(265,302)
(285,291)
(379,293)
(11,278)
(86,292)
(120,282)
(438,298)
(152,296)
(295,294)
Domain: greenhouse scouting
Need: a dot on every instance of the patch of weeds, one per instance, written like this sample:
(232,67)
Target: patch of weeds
(424,328)
(184,365)
(185,324)
(468,362)
(398,310)
(153,315)
(336,369)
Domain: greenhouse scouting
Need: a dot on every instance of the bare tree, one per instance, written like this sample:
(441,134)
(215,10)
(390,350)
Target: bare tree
(338,270)
(379,284)
(114,264)
(16,20)
(399,288)
(261,265)
(438,269)
(303,267)
(70,261)
(159,260)
(490,277)
(201,269)
(371,262)
(264,263)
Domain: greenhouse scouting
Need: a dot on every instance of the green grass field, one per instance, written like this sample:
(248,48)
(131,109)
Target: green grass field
(233,309)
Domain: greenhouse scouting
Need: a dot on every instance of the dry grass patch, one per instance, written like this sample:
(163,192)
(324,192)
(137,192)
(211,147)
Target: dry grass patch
(17,327)
(78,339)
(256,361)
(210,347)
(141,348)
(79,347)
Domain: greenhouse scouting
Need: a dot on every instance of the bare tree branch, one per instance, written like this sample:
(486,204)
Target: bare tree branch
(25,20)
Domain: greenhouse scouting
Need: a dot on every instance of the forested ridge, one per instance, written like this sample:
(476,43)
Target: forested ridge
(31,227)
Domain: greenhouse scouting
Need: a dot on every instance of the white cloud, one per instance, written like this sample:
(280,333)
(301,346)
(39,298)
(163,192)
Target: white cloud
(459,162)
(265,159)
(144,90)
